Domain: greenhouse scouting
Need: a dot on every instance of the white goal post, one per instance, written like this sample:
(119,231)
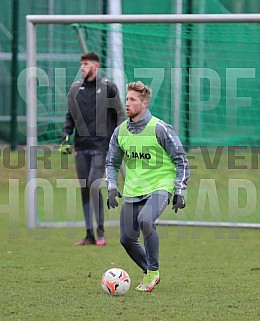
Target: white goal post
(31,95)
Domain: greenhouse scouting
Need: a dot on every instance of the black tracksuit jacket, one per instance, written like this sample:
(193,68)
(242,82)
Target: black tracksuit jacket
(94,111)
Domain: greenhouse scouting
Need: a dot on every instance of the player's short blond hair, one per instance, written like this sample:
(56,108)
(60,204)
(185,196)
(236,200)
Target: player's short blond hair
(144,91)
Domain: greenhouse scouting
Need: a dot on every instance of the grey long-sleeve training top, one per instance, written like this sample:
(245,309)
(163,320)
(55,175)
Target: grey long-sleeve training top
(166,137)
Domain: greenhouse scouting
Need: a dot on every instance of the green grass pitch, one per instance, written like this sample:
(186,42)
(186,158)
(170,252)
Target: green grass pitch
(206,273)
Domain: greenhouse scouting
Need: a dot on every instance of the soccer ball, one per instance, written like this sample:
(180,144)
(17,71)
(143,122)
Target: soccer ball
(115,281)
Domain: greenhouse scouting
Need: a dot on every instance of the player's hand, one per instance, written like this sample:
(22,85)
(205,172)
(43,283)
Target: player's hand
(178,202)
(111,199)
(65,146)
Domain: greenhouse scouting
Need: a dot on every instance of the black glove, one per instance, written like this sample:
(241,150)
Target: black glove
(111,199)
(65,147)
(178,202)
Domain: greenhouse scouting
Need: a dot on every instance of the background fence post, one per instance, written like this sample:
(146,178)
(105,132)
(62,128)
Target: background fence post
(14,75)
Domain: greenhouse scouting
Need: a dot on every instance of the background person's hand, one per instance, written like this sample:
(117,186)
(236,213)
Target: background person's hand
(65,146)
(178,202)
(111,199)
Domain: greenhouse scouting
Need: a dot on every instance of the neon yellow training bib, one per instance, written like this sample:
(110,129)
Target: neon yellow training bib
(148,166)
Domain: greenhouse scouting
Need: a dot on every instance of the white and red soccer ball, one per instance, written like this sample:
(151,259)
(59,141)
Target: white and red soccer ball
(115,281)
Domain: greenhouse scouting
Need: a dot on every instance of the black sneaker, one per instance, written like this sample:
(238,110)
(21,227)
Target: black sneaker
(86,241)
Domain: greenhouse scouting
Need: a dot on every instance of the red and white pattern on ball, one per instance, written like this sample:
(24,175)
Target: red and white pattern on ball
(115,281)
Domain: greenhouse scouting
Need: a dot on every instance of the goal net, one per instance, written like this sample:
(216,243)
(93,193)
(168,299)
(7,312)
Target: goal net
(205,81)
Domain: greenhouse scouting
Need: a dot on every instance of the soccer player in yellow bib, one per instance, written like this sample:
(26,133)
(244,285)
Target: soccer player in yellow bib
(156,168)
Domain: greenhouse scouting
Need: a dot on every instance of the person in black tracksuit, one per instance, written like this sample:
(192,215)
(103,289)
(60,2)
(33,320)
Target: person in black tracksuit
(94,111)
